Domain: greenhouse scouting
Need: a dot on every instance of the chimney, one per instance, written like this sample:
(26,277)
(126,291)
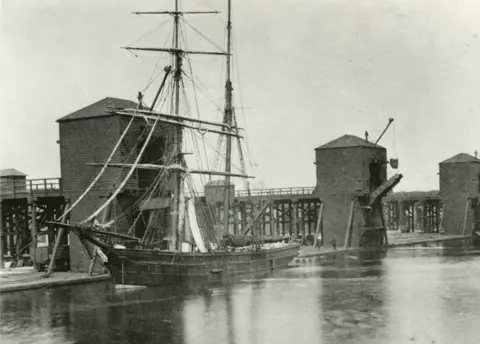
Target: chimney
(476,154)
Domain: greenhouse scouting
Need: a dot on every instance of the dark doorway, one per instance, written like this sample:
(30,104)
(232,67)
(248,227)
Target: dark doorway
(375,169)
(153,154)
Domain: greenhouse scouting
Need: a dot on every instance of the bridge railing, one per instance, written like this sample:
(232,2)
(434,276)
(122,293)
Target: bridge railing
(269,192)
(276,192)
(37,187)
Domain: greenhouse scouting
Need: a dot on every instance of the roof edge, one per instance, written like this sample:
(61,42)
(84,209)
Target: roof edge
(364,147)
(462,157)
(459,162)
(85,118)
(112,100)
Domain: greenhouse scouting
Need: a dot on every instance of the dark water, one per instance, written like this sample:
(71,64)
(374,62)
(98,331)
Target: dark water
(411,296)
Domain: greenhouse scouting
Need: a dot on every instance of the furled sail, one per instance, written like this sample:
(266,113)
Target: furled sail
(196,233)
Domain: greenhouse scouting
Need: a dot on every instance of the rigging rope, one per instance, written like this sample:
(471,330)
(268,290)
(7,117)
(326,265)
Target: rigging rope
(137,160)
(150,31)
(240,153)
(202,35)
(156,185)
(394,138)
(152,79)
(201,88)
(126,159)
(133,206)
(198,113)
(104,168)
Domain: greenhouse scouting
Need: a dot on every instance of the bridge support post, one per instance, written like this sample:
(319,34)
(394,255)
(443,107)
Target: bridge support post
(294,210)
(235,210)
(271,219)
(401,216)
(33,250)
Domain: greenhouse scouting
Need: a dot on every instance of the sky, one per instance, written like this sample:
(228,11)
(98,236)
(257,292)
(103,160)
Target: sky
(306,73)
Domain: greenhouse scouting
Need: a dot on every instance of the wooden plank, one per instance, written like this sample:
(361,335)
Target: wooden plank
(55,248)
(382,218)
(465,218)
(103,219)
(348,237)
(319,224)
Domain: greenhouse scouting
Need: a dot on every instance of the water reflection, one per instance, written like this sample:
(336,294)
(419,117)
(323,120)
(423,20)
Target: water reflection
(356,311)
(460,296)
(411,296)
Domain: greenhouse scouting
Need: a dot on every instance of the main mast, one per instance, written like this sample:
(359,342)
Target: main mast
(228,121)
(177,136)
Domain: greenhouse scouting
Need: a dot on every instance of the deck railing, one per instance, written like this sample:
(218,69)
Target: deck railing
(37,187)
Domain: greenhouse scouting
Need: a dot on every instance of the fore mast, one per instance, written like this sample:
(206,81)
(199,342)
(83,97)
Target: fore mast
(177,136)
(227,119)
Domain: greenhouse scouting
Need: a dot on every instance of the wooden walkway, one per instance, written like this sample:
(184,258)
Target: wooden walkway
(19,279)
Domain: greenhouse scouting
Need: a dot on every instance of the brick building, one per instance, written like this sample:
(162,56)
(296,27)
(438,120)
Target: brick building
(348,167)
(89,136)
(459,181)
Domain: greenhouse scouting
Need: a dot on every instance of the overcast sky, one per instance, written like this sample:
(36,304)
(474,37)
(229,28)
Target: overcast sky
(309,71)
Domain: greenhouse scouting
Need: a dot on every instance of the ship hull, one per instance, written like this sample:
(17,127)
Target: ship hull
(154,268)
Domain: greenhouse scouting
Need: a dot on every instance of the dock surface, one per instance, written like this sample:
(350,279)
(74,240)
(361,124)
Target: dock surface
(18,279)
(395,239)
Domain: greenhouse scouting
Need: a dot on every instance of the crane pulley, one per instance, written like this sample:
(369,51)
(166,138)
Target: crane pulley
(393,162)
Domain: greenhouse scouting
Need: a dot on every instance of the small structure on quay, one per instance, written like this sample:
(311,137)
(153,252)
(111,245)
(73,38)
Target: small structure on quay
(351,182)
(25,207)
(460,193)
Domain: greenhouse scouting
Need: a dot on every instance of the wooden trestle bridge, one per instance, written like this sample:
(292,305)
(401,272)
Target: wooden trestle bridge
(282,211)
(414,211)
(25,207)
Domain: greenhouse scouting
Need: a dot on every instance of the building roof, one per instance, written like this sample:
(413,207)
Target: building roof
(460,158)
(98,109)
(349,141)
(11,172)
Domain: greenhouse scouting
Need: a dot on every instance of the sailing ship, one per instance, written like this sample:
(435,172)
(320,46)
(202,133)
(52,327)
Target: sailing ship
(211,253)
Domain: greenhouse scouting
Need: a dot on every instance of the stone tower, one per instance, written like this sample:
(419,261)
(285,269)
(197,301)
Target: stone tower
(351,179)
